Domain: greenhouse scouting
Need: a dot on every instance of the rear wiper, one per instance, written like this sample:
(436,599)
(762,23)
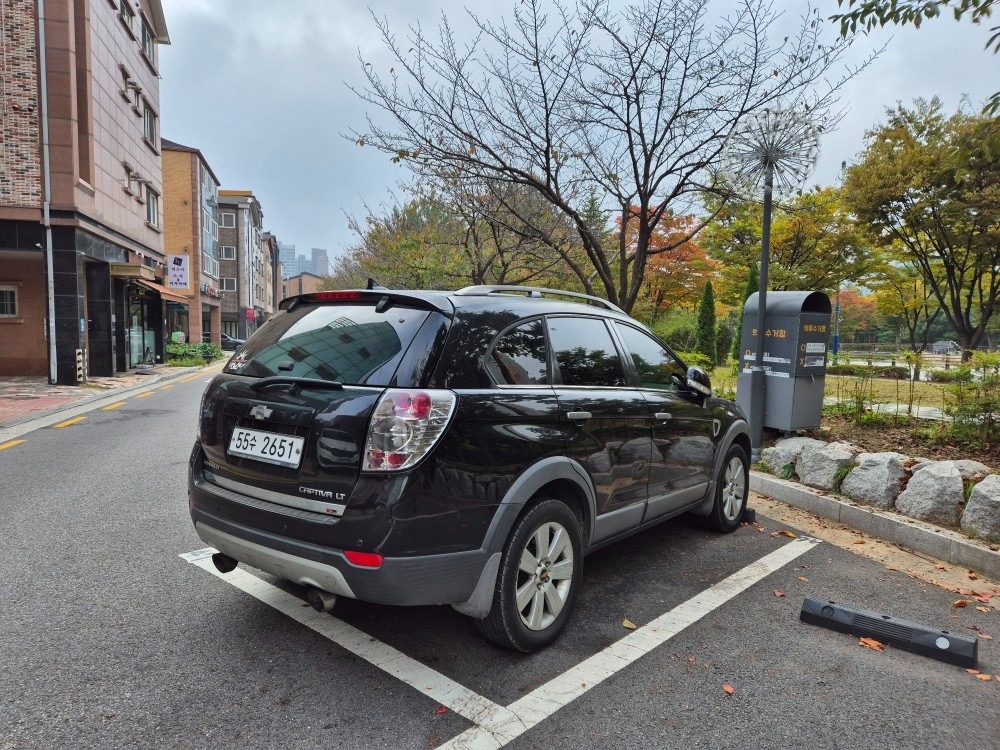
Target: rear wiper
(297,382)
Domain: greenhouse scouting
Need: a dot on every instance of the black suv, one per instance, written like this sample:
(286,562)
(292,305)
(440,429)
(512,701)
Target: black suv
(465,448)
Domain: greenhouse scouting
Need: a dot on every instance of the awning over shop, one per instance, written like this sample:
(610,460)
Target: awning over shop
(167,294)
(131,271)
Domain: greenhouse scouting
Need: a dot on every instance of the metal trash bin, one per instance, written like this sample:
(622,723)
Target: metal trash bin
(797,328)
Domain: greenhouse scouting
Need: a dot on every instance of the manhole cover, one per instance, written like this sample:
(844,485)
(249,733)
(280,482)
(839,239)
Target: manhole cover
(20,397)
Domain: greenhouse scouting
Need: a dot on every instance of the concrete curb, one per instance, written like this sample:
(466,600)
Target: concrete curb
(941,544)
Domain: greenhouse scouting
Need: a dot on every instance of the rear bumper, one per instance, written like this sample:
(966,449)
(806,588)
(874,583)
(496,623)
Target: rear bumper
(432,579)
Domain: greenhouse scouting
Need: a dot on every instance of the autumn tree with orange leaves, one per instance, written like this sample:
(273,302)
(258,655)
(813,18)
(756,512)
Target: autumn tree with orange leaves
(677,268)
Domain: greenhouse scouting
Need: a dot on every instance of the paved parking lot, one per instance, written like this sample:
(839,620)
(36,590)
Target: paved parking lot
(717,651)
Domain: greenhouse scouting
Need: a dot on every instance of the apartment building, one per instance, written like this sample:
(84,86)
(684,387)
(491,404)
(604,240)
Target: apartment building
(303,283)
(82,267)
(272,269)
(241,263)
(191,231)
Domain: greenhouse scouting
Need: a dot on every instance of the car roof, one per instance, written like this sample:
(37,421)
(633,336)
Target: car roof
(522,300)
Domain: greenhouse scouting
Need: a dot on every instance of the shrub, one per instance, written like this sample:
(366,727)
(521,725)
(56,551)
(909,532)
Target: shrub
(958,375)
(188,355)
(696,359)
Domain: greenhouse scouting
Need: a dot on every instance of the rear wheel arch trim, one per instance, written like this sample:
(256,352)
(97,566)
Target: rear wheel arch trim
(525,488)
(529,485)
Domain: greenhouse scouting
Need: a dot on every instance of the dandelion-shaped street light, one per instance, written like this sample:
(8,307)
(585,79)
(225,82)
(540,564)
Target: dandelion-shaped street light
(777,148)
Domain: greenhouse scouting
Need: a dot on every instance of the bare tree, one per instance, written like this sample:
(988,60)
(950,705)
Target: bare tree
(572,99)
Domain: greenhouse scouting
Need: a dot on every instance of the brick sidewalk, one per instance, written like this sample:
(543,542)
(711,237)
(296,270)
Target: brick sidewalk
(24,397)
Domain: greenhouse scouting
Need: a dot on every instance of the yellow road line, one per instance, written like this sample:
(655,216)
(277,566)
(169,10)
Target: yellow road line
(147,394)
(114,406)
(10,444)
(193,377)
(164,387)
(68,422)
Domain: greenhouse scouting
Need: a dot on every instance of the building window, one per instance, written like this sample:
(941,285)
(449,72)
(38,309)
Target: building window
(152,207)
(210,264)
(127,15)
(148,42)
(227,285)
(227,220)
(148,124)
(8,301)
(227,252)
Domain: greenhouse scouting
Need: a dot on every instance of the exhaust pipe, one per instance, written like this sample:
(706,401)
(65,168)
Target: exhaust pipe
(224,563)
(321,601)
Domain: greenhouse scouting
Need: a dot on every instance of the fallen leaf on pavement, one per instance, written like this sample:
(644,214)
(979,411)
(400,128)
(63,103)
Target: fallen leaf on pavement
(789,534)
(803,578)
(871,643)
(972,671)
(692,659)
(972,575)
(959,603)
(779,593)
(728,689)
(441,710)
(627,623)
(986,637)
(939,567)
(984,677)
(858,541)
(982,609)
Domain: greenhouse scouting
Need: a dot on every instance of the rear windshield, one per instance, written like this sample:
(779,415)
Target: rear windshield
(351,344)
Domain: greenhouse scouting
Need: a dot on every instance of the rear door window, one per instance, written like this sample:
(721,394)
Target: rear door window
(351,344)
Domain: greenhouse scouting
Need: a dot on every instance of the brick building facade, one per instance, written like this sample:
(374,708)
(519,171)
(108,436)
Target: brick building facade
(80,187)
(191,230)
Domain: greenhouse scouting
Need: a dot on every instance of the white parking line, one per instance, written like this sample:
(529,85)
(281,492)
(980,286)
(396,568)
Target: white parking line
(445,691)
(570,685)
(496,726)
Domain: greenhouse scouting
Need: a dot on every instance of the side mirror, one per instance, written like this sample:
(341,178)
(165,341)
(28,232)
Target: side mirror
(698,381)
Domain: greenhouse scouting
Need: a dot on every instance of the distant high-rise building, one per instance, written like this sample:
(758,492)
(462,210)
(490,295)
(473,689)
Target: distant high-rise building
(289,260)
(320,262)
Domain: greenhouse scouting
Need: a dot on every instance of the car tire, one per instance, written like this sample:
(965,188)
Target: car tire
(732,488)
(540,574)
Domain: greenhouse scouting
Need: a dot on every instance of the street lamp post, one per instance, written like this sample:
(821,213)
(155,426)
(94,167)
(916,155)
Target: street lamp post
(778,148)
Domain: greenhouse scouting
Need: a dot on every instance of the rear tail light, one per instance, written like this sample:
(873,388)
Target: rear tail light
(404,426)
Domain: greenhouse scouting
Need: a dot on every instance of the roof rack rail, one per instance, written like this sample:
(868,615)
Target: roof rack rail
(533,291)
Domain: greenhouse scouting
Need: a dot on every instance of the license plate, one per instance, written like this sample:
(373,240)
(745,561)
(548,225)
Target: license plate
(283,450)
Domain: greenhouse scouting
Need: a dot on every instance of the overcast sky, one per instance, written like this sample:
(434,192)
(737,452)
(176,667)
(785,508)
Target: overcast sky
(260,87)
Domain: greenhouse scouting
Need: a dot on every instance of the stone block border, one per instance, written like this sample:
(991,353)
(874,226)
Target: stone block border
(941,544)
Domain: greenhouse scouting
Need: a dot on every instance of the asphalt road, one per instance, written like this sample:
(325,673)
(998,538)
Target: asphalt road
(110,639)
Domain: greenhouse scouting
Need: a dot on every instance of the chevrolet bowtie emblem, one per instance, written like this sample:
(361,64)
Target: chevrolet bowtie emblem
(260,412)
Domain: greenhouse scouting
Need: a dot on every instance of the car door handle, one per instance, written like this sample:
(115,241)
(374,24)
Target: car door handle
(578,416)
(664,415)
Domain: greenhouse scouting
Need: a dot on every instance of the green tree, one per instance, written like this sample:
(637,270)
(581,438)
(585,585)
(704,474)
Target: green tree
(570,98)
(705,341)
(815,244)
(752,285)
(904,300)
(871,13)
(930,184)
